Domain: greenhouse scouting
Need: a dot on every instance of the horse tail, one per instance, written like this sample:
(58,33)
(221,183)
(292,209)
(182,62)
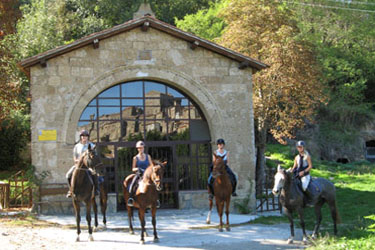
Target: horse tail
(338,218)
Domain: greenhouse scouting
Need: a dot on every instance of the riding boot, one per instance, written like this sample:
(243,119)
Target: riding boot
(234,184)
(69,194)
(96,184)
(130,202)
(210,186)
(309,198)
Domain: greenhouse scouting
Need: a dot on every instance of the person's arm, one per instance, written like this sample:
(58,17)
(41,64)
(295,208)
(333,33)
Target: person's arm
(310,164)
(150,160)
(228,158)
(134,164)
(75,159)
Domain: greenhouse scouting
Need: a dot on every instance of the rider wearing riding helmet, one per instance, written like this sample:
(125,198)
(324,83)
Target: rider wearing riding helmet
(140,162)
(80,148)
(225,154)
(302,166)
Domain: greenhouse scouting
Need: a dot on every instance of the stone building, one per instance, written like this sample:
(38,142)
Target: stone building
(143,79)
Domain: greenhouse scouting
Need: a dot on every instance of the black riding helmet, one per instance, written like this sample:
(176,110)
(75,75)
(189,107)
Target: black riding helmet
(220,141)
(84,132)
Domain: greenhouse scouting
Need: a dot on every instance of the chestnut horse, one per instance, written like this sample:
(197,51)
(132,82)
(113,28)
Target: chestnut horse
(146,196)
(292,199)
(83,188)
(222,189)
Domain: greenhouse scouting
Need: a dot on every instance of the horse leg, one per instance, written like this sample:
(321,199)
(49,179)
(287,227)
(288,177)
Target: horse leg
(335,215)
(78,217)
(141,214)
(227,213)
(208,220)
(88,219)
(95,207)
(290,218)
(318,215)
(153,214)
(130,218)
(220,208)
(103,205)
(302,223)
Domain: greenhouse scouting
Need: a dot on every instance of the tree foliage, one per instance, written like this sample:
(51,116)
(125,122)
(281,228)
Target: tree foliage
(206,23)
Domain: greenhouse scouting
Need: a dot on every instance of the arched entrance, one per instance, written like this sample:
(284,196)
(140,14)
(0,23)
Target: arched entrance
(173,127)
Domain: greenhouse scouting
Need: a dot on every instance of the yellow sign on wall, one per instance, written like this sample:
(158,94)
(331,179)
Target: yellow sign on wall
(47,135)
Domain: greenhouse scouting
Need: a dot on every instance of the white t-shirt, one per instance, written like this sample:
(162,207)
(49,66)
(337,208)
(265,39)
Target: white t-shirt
(79,148)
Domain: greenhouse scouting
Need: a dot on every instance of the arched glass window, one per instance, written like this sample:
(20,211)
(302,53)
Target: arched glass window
(146,110)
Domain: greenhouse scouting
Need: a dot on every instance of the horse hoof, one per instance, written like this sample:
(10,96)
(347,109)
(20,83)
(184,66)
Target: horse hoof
(290,241)
(208,222)
(95,229)
(131,232)
(220,230)
(314,236)
(77,239)
(156,240)
(228,229)
(91,238)
(304,240)
(142,242)
(105,227)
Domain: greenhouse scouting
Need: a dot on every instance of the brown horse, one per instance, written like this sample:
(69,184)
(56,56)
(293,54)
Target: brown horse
(103,198)
(83,188)
(222,188)
(152,183)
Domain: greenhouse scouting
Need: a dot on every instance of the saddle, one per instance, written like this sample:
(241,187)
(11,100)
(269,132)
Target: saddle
(312,192)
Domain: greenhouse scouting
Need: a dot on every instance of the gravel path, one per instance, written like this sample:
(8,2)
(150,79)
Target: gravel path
(174,230)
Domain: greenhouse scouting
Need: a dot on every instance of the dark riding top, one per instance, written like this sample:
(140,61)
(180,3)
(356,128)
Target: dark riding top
(302,164)
(142,165)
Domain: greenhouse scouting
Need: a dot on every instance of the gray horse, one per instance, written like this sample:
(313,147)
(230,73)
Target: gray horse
(292,199)
(83,188)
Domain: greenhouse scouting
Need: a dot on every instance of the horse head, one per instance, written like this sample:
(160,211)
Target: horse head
(280,178)
(218,165)
(90,158)
(157,174)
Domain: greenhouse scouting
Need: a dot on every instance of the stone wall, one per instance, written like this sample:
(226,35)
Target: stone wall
(61,91)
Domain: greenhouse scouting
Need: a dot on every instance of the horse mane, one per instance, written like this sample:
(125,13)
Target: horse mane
(81,161)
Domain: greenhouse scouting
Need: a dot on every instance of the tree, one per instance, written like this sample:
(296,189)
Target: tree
(206,23)
(287,93)
(344,41)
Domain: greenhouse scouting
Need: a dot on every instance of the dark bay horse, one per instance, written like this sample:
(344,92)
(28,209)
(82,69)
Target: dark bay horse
(83,188)
(103,198)
(222,188)
(292,199)
(146,196)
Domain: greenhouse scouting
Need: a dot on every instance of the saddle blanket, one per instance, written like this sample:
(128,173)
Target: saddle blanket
(142,186)
(314,187)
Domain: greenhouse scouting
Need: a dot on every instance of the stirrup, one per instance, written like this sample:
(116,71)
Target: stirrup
(210,196)
(234,194)
(130,202)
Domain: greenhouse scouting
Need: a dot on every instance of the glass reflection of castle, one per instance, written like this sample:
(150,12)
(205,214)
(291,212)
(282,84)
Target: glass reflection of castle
(162,113)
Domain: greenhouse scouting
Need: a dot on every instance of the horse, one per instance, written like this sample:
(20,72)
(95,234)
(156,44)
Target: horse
(103,198)
(222,189)
(83,188)
(292,199)
(148,197)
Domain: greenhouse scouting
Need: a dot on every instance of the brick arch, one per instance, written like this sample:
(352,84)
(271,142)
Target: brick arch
(193,89)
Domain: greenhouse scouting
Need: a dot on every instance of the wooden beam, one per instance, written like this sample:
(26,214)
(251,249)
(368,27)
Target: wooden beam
(95,43)
(43,63)
(244,65)
(145,26)
(194,45)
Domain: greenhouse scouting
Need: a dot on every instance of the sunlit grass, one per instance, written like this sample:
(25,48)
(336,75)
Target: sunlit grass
(355,191)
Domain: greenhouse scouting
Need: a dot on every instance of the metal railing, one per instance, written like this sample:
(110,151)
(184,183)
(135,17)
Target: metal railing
(266,201)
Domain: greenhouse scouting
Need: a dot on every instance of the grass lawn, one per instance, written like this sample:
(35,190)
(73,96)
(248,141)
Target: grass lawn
(355,187)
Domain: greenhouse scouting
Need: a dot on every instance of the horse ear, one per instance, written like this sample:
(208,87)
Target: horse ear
(89,147)
(164,163)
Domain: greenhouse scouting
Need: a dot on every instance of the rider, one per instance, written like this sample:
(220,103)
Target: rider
(79,148)
(301,168)
(222,153)
(140,162)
